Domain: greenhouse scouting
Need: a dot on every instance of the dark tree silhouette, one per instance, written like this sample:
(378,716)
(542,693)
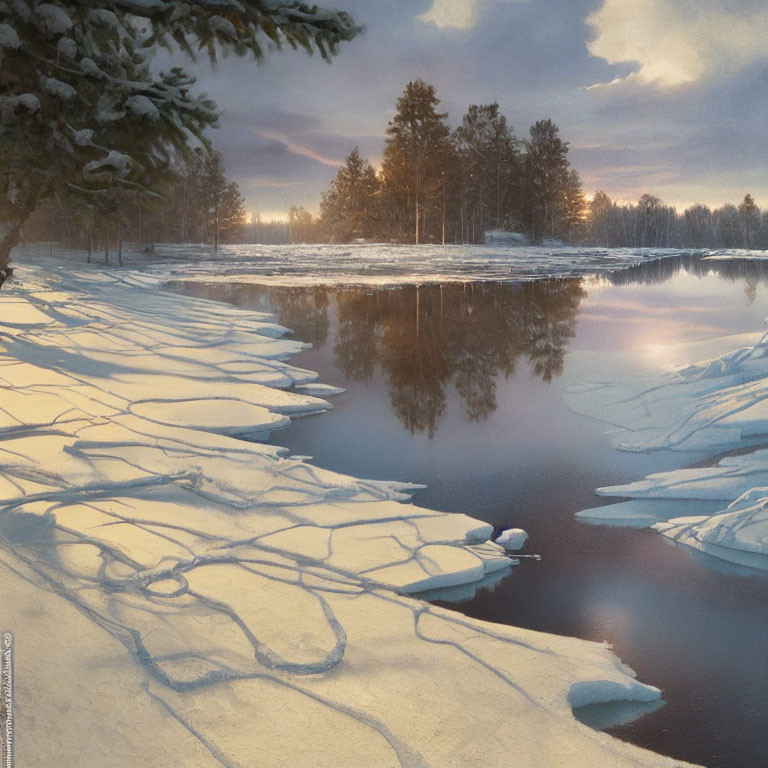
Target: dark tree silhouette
(417,155)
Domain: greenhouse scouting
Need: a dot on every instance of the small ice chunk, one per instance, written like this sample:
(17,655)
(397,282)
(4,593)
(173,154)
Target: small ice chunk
(319,390)
(512,539)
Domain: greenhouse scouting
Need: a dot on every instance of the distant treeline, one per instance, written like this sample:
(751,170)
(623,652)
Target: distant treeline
(650,223)
(438,185)
(435,185)
(194,203)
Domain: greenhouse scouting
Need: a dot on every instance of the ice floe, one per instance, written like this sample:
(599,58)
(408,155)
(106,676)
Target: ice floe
(713,406)
(512,539)
(738,534)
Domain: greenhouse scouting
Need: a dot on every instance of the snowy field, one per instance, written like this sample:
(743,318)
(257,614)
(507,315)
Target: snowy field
(185,597)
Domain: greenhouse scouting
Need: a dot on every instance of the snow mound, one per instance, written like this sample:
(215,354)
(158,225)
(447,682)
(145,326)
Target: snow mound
(738,534)
(512,539)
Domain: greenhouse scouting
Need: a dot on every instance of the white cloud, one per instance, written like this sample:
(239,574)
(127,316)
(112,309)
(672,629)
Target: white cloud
(676,42)
(456,14)
(460,14)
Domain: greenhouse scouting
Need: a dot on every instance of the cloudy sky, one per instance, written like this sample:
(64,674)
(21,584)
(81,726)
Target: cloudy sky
(661,96)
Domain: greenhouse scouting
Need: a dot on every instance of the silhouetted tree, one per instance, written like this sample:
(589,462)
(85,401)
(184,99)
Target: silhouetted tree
(417,154)
(600,222)
(749,215)
(490,167)
(546,176)
(574,213)
(348,210)
(698,226)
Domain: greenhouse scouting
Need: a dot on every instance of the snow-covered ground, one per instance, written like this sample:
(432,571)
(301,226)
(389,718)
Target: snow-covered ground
(181,596)
(712,406)
(386,264)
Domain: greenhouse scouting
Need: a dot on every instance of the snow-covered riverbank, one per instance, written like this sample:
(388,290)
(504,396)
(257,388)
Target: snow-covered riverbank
(184,597)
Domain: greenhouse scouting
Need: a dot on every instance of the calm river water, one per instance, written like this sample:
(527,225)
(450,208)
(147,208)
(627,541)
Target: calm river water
(461,387)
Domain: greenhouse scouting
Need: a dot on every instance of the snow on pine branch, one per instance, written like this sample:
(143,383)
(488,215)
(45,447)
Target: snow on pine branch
(80,105)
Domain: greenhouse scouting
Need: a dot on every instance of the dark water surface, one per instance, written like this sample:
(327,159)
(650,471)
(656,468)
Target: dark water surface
(461,387)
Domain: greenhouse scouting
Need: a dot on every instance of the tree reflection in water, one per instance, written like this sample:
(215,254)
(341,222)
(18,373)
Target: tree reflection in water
(426,338)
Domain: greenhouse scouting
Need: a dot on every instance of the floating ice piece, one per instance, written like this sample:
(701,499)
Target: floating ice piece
(512,539)
(643,513)
(713,405)
(738,534)
(319,390)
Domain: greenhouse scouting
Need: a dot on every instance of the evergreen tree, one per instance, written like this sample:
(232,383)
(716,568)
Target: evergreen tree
(546,179)
(749,214)
(348,208)
(417,155)
(80,104)
(231,214)
(221,211)
(574,207)
(489,163)
(600,224)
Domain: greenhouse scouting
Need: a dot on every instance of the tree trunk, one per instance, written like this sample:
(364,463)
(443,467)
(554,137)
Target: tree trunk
(106,243)
(443,209)
(65,214)
(120,243)
(10,232)
(216,232)
(12,218)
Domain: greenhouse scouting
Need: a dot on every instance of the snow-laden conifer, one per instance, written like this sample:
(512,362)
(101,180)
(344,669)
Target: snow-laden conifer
(82,107)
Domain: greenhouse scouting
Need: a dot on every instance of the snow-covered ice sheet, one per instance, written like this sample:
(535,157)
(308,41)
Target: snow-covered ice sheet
(713,406)
(736,254)
(218,602)
(374,264)
(738,534)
